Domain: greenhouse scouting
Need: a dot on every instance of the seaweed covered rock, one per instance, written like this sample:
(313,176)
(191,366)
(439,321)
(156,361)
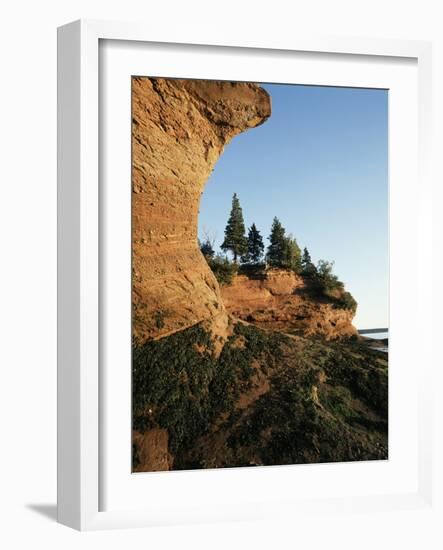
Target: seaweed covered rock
(266,399)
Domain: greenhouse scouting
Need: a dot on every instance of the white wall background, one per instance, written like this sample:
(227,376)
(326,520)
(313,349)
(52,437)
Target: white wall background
(28,266)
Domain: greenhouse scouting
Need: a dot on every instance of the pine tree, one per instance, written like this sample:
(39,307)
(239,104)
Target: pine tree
(235,238)
(291,255)
(308,268)
(306,259)
(255,246)
(276,248)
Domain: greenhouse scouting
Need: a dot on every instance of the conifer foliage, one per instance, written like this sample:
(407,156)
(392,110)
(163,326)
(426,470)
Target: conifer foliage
(283,252)
(306,259)
(235,238)
(256,247)
(308,268)
(291,255)
(276,248)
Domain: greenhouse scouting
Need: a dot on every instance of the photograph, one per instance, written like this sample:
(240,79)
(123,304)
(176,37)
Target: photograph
(260,274)
(222,261)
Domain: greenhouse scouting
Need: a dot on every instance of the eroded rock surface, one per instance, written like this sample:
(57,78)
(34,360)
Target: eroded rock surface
(179,130)
(152,454)
(281,300)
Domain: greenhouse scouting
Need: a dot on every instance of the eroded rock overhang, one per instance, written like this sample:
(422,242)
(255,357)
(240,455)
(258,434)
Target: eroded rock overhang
(179,130)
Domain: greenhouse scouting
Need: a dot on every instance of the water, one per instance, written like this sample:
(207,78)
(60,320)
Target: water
(379,336)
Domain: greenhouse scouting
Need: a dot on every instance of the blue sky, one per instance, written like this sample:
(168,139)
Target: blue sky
(320,164)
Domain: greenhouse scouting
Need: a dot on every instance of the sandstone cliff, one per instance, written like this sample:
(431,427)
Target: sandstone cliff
(281,300)
(255,396)
(179,130)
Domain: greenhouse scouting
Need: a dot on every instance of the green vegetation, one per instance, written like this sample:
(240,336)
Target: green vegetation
(322,401)
(223,269)
(283,252)
(268,398)
(170,380)
(325,283)
(254,255)
(207,248)
(344,418)
(346,301)
(308,269)
(291,255)
(235,238)
(178,384)
(277,238)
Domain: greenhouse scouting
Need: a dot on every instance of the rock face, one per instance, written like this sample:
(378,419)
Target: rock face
(179,130)
(281,300)
(152,451)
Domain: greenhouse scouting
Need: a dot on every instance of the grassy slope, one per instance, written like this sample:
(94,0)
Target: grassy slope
(268,399)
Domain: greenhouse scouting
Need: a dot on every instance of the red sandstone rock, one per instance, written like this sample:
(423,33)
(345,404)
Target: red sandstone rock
(281,301)
(179,130)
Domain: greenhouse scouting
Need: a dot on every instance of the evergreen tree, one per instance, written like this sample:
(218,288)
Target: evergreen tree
(276,249)
(235,238)
(306,259)
(307,267)
(291,255)
(255,246)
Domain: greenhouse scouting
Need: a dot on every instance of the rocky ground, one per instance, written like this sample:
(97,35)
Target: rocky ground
(259,372)
(269,398)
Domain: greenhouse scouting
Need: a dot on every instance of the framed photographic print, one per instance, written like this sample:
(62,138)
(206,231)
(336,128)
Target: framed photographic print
(239,225)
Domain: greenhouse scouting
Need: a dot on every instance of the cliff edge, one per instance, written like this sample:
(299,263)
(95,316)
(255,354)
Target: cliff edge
(282,300)
(179,130)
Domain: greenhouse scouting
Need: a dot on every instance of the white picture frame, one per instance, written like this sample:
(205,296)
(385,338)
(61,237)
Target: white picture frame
(80,412)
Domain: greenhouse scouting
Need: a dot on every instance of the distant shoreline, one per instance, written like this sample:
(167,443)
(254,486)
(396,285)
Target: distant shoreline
(363,332)
(379,344)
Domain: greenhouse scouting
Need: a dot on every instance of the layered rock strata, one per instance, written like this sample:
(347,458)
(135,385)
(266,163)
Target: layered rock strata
(281,300)
(179,130)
